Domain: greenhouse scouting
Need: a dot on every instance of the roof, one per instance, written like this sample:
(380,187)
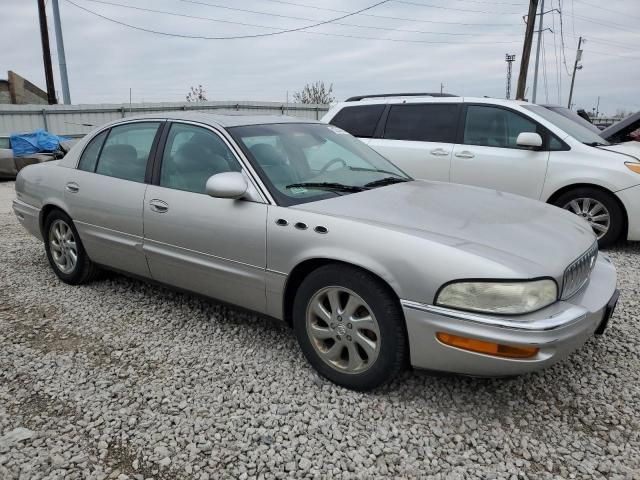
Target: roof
(434,99)
(224,120)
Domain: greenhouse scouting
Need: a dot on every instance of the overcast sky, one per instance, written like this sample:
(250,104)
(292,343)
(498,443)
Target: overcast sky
(461,43)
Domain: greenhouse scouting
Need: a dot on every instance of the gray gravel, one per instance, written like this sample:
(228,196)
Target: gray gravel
(123,380)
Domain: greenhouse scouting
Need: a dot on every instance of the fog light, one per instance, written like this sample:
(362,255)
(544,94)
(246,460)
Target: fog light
(489,348)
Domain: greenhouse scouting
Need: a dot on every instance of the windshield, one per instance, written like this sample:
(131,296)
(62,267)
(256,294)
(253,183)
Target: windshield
(571,115)
(577,131)
(301,162)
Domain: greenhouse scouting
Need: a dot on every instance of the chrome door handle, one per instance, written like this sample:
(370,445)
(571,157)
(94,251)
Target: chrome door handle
(465,154)
(158,206)
(72,187)
(439,152)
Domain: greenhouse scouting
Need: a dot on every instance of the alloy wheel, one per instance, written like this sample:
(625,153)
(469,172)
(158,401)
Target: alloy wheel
(62,243)
(343,329)
(593,212)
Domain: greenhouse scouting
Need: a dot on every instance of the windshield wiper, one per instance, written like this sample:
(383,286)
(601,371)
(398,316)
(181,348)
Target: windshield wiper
(336,187)
(363,169)
(595,144)
(385,181)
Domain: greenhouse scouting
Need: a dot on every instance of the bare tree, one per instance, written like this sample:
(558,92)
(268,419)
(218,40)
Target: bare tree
(197,94)
(316,93)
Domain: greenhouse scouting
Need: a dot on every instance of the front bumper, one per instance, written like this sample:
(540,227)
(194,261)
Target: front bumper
(630,197)
(556,330)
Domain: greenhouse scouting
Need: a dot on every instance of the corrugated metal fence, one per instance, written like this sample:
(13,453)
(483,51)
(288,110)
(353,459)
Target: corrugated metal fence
(77,120)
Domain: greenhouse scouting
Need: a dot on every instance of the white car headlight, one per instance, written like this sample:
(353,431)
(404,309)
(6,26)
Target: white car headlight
(508,297)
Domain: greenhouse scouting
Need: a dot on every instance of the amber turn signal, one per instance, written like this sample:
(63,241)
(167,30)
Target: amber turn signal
(489,348)
(633,166)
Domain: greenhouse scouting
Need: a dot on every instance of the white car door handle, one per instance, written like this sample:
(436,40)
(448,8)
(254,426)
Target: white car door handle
(439,152)
(158,206)
(465,154)
(72,187)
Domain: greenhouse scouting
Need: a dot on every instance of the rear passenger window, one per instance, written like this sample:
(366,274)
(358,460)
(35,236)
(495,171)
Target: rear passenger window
(360,121)
(422,122)
(89,157)
(126,151)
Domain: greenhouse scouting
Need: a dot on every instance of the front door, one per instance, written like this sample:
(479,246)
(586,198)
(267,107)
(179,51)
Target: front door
(105,195)
(212,246)
(489,156)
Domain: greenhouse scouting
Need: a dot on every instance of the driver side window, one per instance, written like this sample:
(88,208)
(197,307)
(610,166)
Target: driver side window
(191,155)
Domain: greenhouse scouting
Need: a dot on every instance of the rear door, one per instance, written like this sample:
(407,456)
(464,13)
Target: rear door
(212,246)
(488,156)
(105,194)
(419,138)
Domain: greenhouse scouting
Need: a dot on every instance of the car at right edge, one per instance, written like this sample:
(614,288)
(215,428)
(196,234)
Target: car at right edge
(507,145)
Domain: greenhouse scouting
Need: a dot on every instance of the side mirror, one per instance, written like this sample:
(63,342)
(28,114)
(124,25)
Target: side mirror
(227,185)
(529,139)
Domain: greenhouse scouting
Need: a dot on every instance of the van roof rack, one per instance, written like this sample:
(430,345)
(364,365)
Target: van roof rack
(379,95)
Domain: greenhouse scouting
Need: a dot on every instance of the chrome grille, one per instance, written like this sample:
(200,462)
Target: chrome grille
(577,274)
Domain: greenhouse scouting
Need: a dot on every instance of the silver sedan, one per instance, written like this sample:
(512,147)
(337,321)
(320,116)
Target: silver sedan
(300,221)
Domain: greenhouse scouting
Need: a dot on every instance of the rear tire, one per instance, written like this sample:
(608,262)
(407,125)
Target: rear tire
(65,251)
(350,327)
(599,208)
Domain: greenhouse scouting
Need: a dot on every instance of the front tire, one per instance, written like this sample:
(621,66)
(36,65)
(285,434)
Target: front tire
(65,251)
(597,207)
(350,327)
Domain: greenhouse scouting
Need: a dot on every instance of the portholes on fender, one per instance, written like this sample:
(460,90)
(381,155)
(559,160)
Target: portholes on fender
(301,226)
(281,222)
(321,229)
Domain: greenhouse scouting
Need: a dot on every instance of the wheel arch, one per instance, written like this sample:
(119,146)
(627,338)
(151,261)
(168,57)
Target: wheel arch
(46,209)
(574,186)
(304,268)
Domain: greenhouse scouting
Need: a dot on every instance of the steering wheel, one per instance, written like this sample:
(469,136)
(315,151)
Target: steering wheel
(330,163)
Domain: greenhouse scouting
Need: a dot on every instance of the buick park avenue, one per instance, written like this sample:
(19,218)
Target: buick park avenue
(300,221)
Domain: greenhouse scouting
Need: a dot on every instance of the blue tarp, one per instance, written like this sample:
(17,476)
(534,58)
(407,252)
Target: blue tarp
(39,141)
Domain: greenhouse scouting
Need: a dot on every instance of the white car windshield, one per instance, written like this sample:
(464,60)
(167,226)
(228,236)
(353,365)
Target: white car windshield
(301,162)
(577,131)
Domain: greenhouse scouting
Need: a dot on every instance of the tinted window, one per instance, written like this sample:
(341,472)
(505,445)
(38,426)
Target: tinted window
(359,121)
(495,127)
(421,122)
(126,151)
(191,155)
(92,150)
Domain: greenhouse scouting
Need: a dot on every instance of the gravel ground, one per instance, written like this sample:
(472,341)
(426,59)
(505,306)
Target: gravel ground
(119,379)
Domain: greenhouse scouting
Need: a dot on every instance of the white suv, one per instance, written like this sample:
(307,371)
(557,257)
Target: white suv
(505,145)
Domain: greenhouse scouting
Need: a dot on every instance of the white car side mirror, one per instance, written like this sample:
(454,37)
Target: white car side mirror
(227,185)
(529,139)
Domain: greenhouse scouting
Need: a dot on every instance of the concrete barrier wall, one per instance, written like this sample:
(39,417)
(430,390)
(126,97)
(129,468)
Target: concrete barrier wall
(77,120)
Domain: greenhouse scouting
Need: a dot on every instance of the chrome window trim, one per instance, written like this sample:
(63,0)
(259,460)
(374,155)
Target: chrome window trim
(567,317)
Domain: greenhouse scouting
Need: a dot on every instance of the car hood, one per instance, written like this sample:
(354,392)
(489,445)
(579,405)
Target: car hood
(524,234)
(626,148)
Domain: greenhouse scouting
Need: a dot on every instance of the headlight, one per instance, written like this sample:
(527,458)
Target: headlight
(513,297)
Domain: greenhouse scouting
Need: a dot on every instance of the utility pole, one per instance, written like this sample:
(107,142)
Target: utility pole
(526,49)
(46,53)
(598,107)
(441,88)
(575,67)
(61,57)
(509,59)
(535,71)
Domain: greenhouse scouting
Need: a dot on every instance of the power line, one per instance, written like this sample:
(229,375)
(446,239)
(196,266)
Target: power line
(299,30)
(387,17)
(564,53)
(604,23)
(595,5)
(419,4)
(197,17)
(238,36)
